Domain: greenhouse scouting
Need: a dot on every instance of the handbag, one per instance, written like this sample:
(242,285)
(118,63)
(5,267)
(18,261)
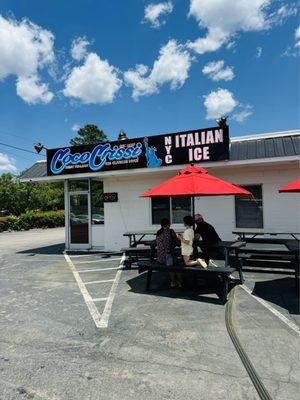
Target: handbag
(169,260)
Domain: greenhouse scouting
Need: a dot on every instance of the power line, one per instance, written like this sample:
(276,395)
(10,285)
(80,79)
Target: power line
(19,148)
(13,154)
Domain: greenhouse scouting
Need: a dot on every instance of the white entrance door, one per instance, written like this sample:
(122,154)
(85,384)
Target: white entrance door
(79,220)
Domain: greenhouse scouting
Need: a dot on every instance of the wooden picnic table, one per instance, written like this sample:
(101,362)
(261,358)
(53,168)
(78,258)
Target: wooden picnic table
(135,253)
(220,273)
(136,237)
(262,248)
(269,249)
(253,232)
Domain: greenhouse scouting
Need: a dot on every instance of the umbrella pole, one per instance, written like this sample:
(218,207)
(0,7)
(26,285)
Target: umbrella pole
(193,209)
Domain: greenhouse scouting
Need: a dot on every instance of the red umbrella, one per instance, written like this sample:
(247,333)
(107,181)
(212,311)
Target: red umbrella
(293,186)
(195,181)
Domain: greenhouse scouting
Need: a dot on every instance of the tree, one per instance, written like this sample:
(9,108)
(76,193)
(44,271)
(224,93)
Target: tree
(17,198)
(90,134)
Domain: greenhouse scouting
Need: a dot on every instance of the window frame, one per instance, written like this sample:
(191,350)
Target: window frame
(170,211)
(246,186)
(91,197)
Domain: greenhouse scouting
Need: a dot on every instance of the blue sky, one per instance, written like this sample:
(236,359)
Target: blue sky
(197,59)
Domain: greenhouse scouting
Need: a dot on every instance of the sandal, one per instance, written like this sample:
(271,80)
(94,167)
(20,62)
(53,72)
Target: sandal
(201,262)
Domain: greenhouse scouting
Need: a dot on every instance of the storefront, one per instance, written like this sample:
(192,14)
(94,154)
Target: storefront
(103,183)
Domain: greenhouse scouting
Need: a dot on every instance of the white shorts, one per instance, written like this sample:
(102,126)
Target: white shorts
(187,251)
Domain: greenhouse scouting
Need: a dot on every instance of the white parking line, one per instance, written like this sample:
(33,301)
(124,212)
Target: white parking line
(284,319)
(111,296)
(105,281)
(29,259)
(100,321)
(97,270)
(86,296)
(97,261)
(100,299)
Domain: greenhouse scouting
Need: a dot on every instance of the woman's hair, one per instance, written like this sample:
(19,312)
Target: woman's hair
(188,220)
(164,223)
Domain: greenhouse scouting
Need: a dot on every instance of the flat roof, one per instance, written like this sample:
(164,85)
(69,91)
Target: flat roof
(242,148)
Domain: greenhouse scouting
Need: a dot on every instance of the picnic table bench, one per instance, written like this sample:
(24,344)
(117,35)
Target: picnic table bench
(135,254)
(268,250)
(221,273)
(244,233)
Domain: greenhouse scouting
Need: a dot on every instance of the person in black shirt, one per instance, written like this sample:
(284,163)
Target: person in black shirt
(209,238)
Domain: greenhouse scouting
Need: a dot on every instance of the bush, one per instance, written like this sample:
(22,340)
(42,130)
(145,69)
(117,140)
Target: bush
(33,219)
(6,222)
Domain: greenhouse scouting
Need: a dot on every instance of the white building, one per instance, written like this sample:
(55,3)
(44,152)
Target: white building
(262,163)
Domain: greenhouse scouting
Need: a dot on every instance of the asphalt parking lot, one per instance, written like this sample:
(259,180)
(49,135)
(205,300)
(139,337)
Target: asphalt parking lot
(75,326)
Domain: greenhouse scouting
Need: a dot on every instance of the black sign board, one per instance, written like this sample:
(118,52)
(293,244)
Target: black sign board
(201,145)
(110,197)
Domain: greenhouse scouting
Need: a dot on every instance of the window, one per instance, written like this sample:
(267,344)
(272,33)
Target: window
(172,208)
(249,213)
(181,206)
(77,185)
(97,202)
(160,209)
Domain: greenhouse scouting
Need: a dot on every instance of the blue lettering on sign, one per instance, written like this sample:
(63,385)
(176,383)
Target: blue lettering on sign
(96,159)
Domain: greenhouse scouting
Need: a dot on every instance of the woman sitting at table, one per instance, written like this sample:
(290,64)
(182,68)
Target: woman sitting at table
(166,241)
(187,239)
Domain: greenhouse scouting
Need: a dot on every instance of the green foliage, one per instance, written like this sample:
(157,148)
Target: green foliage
(33,219)
(7,222)
(17,198)
(30,205)
(90,134)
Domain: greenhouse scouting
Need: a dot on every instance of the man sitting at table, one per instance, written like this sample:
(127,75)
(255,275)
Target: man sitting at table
(209,239)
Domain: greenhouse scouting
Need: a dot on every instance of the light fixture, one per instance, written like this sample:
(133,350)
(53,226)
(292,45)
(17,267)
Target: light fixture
(122,135)
(39,147)
(222,121)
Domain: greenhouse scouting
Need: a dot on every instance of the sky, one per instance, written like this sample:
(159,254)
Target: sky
(146,67)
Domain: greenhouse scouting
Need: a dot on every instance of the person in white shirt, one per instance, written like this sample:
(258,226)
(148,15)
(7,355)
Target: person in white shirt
(187,239)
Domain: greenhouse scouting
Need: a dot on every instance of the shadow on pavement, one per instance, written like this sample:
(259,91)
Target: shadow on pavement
(100,253)
(60,247)
(279,291)
(160,286)
(53,249)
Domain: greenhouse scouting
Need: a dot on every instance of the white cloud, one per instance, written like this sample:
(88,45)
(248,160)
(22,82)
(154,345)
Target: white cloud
(171,67)
(7,163)
(223,19)
(142,85)
(218,103)
(231,45)
(153,13)
(222,102)
(244,112)
(212,42)
(79,48)
(216,71)
(293,50)
(32,91)
(25,49)
(259,51)
(297,37)
(94,82)
(279,16)
(75,128)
